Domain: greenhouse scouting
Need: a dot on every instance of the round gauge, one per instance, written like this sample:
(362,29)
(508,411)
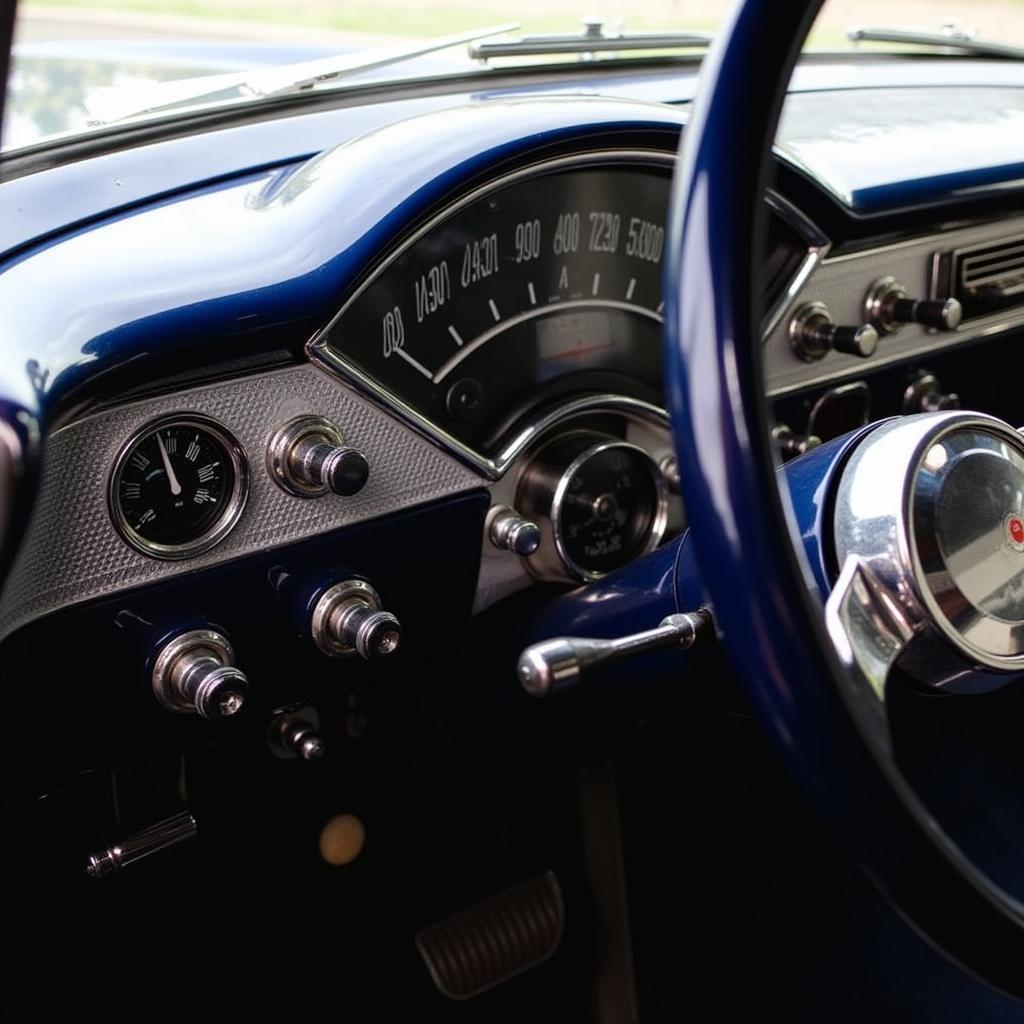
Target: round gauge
(601,502)
(178,486)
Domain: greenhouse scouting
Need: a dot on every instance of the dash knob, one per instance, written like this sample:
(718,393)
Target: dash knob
(888,307)
(195,673)
(509,531)
(348,619)
(308,457)
(813,334)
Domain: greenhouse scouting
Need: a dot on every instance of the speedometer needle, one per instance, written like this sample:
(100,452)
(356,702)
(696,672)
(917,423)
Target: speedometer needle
(175,486)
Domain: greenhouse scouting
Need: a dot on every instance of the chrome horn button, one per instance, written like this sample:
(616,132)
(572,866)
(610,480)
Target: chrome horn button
(929,537)
(968,539)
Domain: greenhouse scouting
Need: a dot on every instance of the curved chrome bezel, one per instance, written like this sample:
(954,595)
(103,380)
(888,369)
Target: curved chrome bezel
(876,503)
(325,358)
(229,515)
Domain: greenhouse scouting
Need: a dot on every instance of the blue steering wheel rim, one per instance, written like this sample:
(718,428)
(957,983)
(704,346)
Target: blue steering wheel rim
(766,608)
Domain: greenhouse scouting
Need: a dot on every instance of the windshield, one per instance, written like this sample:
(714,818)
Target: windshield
(78,64)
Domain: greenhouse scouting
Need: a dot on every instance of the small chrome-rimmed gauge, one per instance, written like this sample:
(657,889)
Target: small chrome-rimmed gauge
(600,502)
(178,486)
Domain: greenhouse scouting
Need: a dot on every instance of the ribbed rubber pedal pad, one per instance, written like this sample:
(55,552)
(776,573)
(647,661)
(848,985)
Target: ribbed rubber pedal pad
(495,940)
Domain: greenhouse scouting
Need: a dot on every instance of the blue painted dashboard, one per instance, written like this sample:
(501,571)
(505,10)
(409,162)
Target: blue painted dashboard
(222,253)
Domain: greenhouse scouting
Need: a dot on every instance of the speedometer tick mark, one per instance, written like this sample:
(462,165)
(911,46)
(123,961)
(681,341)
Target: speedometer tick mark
(414,363)
(494,310)
(597,284)
(631,289)
(533,294)
(455,334)
(661,308)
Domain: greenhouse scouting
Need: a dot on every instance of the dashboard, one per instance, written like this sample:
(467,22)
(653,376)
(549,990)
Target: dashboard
(328,416)
(488,327)
(506,337)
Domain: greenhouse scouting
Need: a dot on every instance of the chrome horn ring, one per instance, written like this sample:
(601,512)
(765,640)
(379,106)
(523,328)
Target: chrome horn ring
(929,535)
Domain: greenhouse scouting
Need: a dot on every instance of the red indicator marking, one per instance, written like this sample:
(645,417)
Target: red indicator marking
(572,353)
(1015,528)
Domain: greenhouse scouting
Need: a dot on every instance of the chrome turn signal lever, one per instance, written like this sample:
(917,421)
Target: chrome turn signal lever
(558,664)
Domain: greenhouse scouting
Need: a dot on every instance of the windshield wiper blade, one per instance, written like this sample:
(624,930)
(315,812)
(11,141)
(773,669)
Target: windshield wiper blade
(593,39)
(263,83)
(950,38)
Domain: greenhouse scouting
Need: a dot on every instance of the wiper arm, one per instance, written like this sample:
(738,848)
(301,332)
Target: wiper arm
(263,83)
(950,38)
(593,39)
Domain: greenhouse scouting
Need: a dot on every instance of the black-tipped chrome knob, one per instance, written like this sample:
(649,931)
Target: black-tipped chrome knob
(349,619)
(813,334)
(888,307)
(308,457)
(510,531)
(195,673)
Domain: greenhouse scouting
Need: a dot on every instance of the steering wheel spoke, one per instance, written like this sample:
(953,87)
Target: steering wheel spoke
(869,630)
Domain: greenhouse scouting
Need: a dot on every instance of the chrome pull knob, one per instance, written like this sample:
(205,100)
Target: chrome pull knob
(556,665)
(308,457)
(888,307)
(925,394)
(509,531)
(349,619)
(813,333)
(296,734)
(195,673)
(155,839)
(791,444)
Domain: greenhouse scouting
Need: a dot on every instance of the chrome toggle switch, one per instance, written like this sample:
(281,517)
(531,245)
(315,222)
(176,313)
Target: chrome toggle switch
(813,334)
(509,531)
(308,457)
(556,665)
(195,673)
(888,307)
(155,839)
(349,619)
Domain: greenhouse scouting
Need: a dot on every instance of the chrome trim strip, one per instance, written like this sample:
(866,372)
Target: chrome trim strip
(787,301)
(818,245)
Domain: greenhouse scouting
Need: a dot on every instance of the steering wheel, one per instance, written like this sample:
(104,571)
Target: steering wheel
(913,497)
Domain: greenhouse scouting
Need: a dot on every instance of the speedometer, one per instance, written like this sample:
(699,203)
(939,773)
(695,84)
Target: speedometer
(546,282)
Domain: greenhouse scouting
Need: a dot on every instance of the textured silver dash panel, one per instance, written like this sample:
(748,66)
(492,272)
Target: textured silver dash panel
(72,552)
(843,282)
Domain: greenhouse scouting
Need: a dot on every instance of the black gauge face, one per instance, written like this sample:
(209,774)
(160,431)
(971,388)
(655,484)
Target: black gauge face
(178,487)
(547,285)
(607,509)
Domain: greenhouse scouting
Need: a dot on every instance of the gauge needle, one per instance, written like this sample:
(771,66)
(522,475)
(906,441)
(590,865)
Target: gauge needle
(175,486)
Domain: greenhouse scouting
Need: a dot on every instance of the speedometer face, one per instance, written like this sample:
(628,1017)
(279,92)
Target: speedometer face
(178,486)
(549,284)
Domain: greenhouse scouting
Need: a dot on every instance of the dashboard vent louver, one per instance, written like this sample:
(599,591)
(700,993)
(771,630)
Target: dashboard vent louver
(985,278)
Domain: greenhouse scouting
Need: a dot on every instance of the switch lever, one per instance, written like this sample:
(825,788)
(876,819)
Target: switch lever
(555,665)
